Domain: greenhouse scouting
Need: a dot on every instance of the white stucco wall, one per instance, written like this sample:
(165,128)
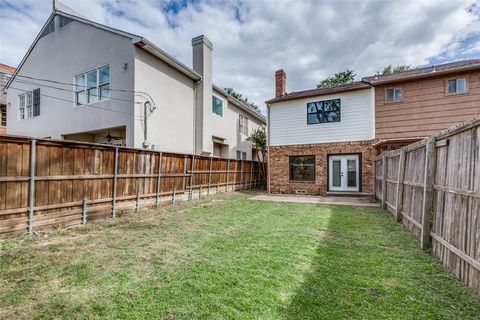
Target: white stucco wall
(170,126)
(288,120)
(59,56)
(227,127)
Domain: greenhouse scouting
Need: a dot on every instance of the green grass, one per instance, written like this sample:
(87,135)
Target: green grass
(231,258)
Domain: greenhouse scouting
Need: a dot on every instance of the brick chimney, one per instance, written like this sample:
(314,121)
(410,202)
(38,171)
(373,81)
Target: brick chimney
(280,83)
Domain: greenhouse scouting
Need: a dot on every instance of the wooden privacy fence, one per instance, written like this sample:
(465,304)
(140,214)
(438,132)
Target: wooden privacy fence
(46,183)
(433,186)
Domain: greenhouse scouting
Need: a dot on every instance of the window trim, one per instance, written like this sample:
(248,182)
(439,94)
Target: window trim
(328,122)
(394,88)
(86,87)
(244,125)
(290,180)
(223,109)
(28,113)
(456,93)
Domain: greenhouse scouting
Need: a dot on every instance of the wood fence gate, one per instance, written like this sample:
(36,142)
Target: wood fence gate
(433,186)
(46,183)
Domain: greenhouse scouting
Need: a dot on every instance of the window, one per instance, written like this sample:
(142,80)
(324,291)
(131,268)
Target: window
(29,104)
(3,115)
(243,125)
(49,29)
(217,106)
(394,94)
(302,168)
(92,86)
(457,85)
(323,111)
(241,155)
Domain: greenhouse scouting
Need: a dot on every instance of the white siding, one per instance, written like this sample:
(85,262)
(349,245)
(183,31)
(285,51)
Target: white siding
(226,127)
(288,120)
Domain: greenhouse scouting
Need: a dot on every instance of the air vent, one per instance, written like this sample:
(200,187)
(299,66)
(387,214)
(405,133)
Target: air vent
(301,191)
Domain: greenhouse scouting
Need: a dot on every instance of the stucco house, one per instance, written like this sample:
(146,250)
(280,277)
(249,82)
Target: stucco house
(81,80)
(323,141)
(5,74)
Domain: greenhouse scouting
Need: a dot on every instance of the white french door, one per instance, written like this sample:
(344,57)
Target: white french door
(344,173)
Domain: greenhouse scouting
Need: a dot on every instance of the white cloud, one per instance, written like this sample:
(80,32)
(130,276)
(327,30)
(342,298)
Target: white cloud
(309,39)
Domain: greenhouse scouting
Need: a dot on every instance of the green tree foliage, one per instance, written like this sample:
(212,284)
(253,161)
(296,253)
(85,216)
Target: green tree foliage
(258,139)
(343,77)
(240,97)
(391,69)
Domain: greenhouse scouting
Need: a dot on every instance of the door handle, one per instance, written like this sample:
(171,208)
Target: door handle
(342,174)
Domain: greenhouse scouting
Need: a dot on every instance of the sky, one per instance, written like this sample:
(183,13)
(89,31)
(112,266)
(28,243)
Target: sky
(310,40)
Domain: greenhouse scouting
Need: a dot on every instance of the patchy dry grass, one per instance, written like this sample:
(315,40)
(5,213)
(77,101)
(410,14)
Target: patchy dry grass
(231,258)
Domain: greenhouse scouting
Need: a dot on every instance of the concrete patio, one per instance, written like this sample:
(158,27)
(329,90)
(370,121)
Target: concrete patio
(355,201)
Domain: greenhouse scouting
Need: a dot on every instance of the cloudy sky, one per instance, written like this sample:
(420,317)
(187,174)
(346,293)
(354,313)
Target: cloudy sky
(308,39)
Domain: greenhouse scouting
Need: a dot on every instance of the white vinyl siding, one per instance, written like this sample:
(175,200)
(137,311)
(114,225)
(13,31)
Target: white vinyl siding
(288,120)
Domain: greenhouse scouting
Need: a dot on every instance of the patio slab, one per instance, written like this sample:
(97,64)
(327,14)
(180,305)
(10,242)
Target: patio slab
(338,200)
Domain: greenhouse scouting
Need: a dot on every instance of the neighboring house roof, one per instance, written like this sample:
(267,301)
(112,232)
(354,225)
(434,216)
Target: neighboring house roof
(357,85)
(242,105)
(424,72)
(139,42)
(6,68)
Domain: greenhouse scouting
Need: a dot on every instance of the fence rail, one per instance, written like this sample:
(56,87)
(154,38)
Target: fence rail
(46,183)
(433,187)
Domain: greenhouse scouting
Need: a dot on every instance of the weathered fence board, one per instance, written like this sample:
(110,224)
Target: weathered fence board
(440,200)
(67,178)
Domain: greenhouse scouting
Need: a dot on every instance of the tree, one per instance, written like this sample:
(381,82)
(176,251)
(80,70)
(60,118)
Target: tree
(390,69)
(258,138)
(343,77)
(240,97)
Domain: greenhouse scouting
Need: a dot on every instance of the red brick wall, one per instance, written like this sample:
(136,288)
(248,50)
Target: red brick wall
(279,174)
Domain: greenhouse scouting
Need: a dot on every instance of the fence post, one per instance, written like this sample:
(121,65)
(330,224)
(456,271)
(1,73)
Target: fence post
(115,174)
(257,181)
(190,195)
(200,191)
(228,173)
(241,174)
(184,173)
(384,182)
(401,176)
(250,177)
(84,211)
(137,204)
(209,176)
(173,195)
(31,193)
(157,200)
(430,163)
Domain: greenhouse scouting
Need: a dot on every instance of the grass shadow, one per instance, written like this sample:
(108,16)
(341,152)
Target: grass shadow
(369,267)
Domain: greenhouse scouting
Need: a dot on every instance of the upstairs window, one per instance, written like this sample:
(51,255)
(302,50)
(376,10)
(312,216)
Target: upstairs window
(63,21)
(302,168)
(457,85)
(49,29)
(323,111)
(29,104)
(243,125)
(92,86)
(394,95)
(217,106)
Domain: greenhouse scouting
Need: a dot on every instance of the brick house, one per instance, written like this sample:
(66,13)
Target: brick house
(324,141)
(5,74)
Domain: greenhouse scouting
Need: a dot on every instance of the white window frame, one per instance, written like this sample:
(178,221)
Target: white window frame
(456,85)
(394,90)
(97,87)
(25,105)
(223,109)
(243,125)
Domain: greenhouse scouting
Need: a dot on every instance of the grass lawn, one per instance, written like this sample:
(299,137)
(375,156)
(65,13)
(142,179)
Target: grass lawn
(228,257)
